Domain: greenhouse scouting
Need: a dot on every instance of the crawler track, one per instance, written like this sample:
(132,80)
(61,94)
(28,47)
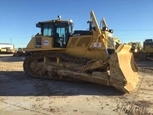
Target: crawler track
(36,61)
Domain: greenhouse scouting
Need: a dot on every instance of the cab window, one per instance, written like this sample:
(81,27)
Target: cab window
(47,30)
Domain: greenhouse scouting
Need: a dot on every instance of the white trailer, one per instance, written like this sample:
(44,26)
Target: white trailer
(6,45)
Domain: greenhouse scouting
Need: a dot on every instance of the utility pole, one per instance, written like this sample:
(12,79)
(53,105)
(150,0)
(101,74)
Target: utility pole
(11,41)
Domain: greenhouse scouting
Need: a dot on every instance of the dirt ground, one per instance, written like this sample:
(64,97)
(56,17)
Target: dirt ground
(21,95)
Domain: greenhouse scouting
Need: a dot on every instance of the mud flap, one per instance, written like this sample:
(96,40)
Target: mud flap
(123,69)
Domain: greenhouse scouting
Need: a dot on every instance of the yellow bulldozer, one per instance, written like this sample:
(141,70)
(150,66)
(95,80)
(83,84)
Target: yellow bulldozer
(147,50)
(60,53)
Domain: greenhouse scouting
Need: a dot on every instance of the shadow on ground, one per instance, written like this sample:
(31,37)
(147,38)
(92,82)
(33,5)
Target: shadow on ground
(145,64)
(11,58)
(16,83)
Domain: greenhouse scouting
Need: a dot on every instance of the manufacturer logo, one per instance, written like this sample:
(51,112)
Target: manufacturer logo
(46,42)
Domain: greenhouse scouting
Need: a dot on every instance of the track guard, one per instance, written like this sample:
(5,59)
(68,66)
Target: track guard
(123,69)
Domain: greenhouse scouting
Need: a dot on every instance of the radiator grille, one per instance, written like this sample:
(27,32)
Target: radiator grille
(38,43)
(110,42)
(72,41)
(84,41)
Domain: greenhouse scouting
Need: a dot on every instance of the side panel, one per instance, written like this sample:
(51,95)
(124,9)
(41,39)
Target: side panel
(88,46)
(40,43)
(78,45)
(96,48)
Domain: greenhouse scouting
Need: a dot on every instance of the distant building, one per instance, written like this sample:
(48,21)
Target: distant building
(6,45)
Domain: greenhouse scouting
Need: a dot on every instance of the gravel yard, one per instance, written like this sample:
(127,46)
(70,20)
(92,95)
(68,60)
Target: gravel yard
(22,95)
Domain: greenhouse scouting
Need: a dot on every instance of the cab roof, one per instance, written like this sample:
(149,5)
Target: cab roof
(55,21)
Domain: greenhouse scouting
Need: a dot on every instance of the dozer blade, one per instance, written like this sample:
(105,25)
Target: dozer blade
(123,69)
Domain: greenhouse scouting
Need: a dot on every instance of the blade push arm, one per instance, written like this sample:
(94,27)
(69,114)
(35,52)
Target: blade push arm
(93,17)
(100,35)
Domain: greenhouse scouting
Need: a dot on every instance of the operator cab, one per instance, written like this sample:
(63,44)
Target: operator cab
(148,42)
(59,30)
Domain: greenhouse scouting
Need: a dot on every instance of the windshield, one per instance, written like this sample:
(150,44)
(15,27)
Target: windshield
(62,31)
(48,30)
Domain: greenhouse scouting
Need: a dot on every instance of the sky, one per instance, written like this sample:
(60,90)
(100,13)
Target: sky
(131,20)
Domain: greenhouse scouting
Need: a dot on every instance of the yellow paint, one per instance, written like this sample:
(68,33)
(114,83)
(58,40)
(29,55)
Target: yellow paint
(148,49)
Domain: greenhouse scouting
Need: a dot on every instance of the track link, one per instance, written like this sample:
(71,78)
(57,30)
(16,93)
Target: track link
(31,62)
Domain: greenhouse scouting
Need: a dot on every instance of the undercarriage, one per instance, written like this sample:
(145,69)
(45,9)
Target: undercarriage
(63,67)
